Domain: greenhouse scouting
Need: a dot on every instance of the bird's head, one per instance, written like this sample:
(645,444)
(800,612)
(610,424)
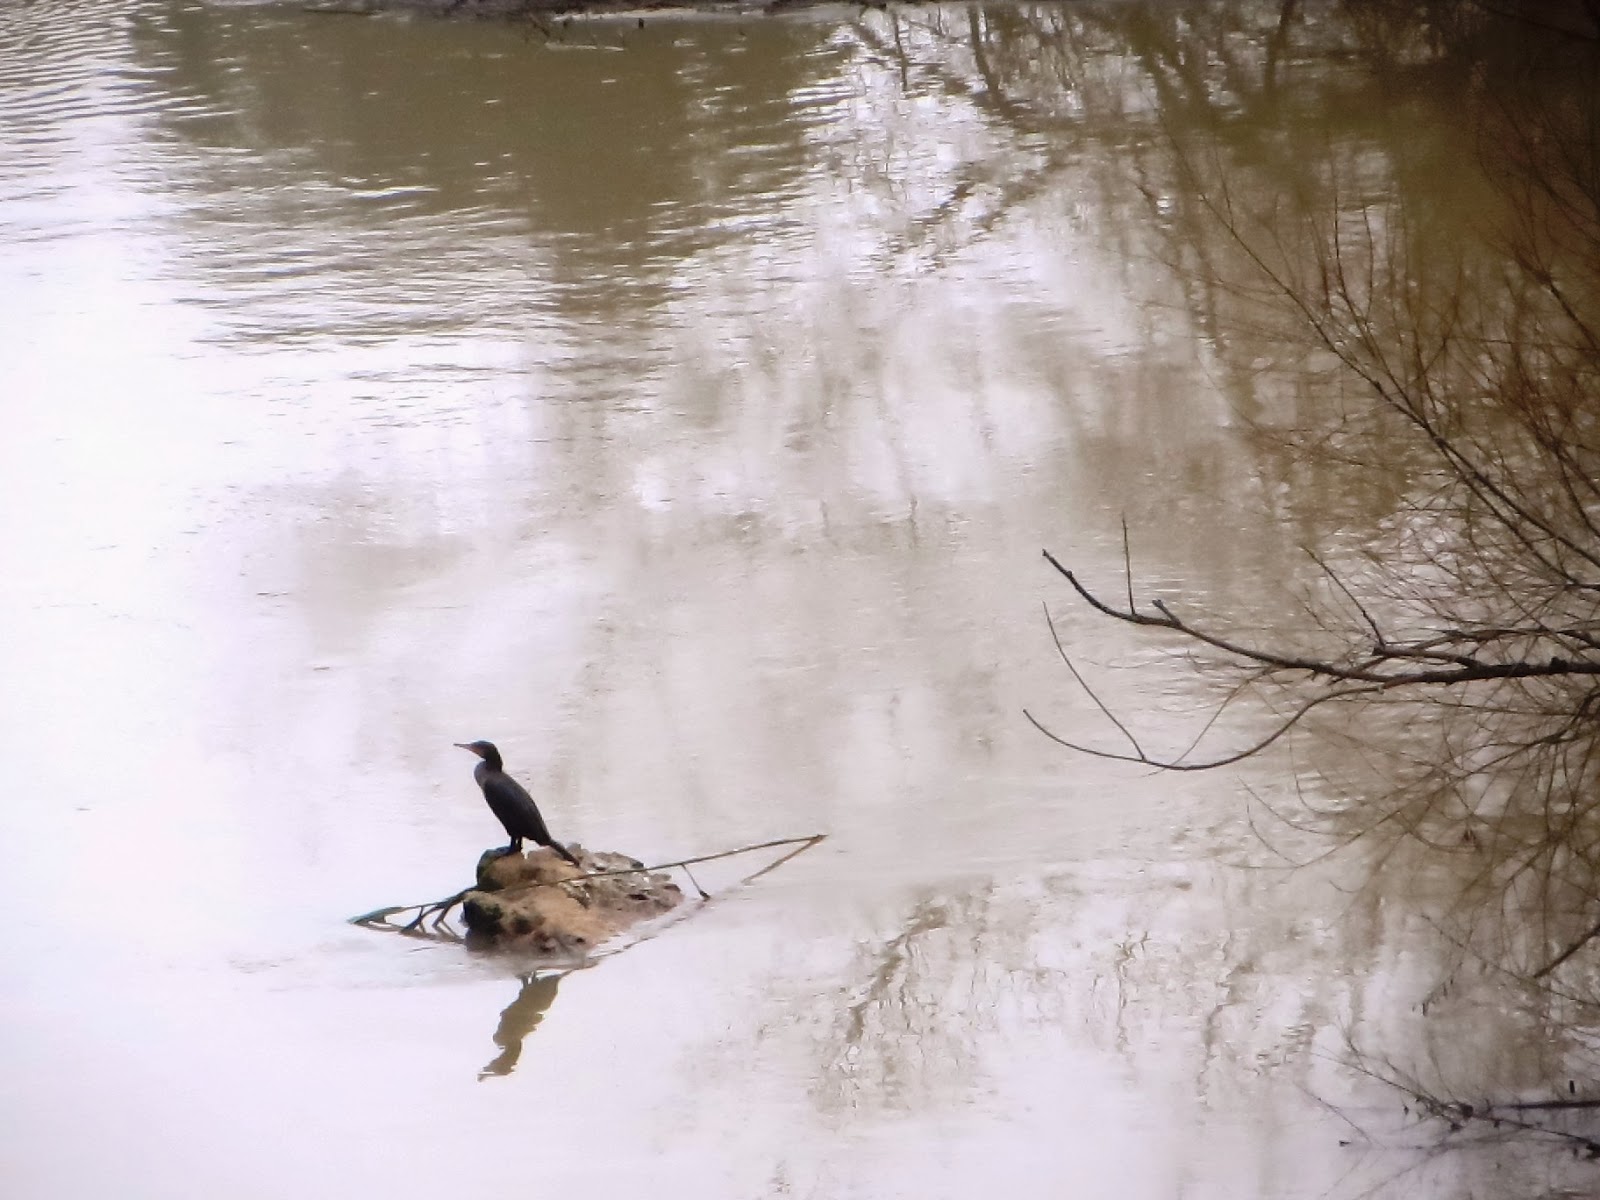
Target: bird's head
(484,750)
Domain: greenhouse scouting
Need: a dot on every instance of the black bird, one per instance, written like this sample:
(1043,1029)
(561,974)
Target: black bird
(510,801)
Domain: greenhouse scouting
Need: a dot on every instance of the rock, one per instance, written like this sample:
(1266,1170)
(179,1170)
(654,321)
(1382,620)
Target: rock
(524,902)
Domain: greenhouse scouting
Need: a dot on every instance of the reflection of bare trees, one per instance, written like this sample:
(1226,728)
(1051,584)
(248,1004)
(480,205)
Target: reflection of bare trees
(1196,989)
(890,1026)
(1145,974)
(1461,643)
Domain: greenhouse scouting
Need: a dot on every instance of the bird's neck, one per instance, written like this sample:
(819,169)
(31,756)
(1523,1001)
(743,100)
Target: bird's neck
(493,762)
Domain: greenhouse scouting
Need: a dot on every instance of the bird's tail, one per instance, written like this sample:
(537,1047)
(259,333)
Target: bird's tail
(565,853)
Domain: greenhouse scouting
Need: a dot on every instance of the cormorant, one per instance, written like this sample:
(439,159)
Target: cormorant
(510,801)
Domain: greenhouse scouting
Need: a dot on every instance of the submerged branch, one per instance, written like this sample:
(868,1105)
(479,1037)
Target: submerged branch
(439,910)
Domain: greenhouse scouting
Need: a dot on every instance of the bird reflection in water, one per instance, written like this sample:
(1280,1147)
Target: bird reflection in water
(520,1018)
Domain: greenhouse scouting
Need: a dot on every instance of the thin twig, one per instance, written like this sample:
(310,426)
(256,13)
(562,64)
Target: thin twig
(1127,563)
(1089,691)
(1210,764)
(1377,634)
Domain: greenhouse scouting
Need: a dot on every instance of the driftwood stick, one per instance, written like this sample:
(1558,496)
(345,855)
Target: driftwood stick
(804,843)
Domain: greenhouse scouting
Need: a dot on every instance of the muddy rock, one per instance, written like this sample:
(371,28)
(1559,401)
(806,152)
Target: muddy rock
(541,904)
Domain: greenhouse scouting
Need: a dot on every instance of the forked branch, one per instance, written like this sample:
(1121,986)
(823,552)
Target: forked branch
(1386,665)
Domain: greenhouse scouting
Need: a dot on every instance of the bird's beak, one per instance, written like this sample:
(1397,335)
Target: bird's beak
(463,746)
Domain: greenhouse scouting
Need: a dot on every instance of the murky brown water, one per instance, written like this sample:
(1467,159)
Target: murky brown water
(684,408)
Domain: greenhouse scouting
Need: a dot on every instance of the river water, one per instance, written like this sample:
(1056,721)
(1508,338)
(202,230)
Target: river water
(683,406)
